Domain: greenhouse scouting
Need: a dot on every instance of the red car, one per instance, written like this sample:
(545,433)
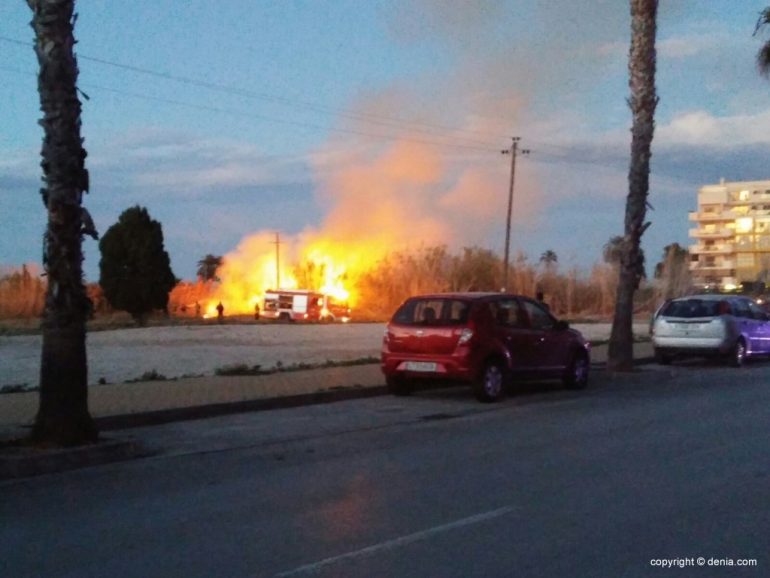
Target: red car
(485,339)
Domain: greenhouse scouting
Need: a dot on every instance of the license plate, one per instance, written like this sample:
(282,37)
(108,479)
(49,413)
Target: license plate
(688,328)
(419,366)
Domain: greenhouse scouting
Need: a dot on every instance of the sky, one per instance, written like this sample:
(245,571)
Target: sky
(231,121)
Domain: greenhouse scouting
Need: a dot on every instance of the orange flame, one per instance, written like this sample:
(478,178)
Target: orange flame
(252,269)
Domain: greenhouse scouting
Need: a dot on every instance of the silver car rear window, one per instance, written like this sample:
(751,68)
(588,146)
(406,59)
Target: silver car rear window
(692,308)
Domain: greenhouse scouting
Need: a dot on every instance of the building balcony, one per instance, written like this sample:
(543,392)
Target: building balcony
(754,197)
(724,249)
(718,233)
(715,283)
(713,216)
(712,267)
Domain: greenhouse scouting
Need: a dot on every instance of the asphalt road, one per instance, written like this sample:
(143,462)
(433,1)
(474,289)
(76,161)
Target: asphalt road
(665,466)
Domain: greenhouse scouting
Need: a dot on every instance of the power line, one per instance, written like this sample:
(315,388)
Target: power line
(361,117)
(566,148)
(549,158)
(540,157)
(277,244)
(236,91)
(244,114)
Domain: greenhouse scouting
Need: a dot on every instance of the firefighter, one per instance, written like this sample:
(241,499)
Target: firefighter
(220,312)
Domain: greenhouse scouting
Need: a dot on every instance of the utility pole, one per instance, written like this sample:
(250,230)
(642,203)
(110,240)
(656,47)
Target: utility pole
(514,151)
(277,244)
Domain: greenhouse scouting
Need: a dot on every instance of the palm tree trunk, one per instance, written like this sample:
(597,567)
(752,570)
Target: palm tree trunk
(63,418)
(641,67)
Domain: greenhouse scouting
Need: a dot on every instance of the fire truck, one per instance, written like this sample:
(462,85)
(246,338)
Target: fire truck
(304,305)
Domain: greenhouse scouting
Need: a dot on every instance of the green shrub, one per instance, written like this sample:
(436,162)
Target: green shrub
(149,376)
(240,369)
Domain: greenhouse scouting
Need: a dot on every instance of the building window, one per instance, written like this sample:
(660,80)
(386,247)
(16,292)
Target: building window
(743,241)
(763,242)
(744,225)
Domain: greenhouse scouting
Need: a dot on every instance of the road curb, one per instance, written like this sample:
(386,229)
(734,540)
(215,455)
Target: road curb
(332,395)
(26,461)
(602,365)
(126,421)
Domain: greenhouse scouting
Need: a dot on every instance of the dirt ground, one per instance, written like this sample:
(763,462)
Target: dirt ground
(125,354)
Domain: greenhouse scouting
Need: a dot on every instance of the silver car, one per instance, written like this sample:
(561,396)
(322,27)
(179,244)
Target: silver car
(732,327)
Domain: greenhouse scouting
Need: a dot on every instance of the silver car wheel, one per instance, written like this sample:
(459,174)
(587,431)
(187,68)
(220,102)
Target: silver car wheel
(739,355)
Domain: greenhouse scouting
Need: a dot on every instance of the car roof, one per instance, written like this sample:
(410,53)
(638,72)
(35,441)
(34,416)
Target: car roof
(710,297)
(468,295)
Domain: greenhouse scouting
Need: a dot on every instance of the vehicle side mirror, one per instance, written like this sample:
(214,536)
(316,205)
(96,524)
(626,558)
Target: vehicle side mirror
(561,326)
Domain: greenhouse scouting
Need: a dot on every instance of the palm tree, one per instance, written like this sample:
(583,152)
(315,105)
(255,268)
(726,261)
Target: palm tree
(547,281)
(612,253)
(612,250)
(62,418)
(208,266)
(763,56)
(673,273)
(673,254)
(641,68)
(549,258)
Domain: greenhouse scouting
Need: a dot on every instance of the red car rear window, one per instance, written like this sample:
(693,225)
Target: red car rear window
(432,311)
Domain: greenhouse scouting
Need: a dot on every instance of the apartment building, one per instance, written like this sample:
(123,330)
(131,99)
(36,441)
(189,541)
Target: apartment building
(732,235)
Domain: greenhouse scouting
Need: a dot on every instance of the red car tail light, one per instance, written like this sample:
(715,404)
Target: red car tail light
(465,336)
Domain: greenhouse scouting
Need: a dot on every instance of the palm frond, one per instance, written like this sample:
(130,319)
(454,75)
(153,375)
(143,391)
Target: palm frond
(763,59)
(762,21)
(763,56)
